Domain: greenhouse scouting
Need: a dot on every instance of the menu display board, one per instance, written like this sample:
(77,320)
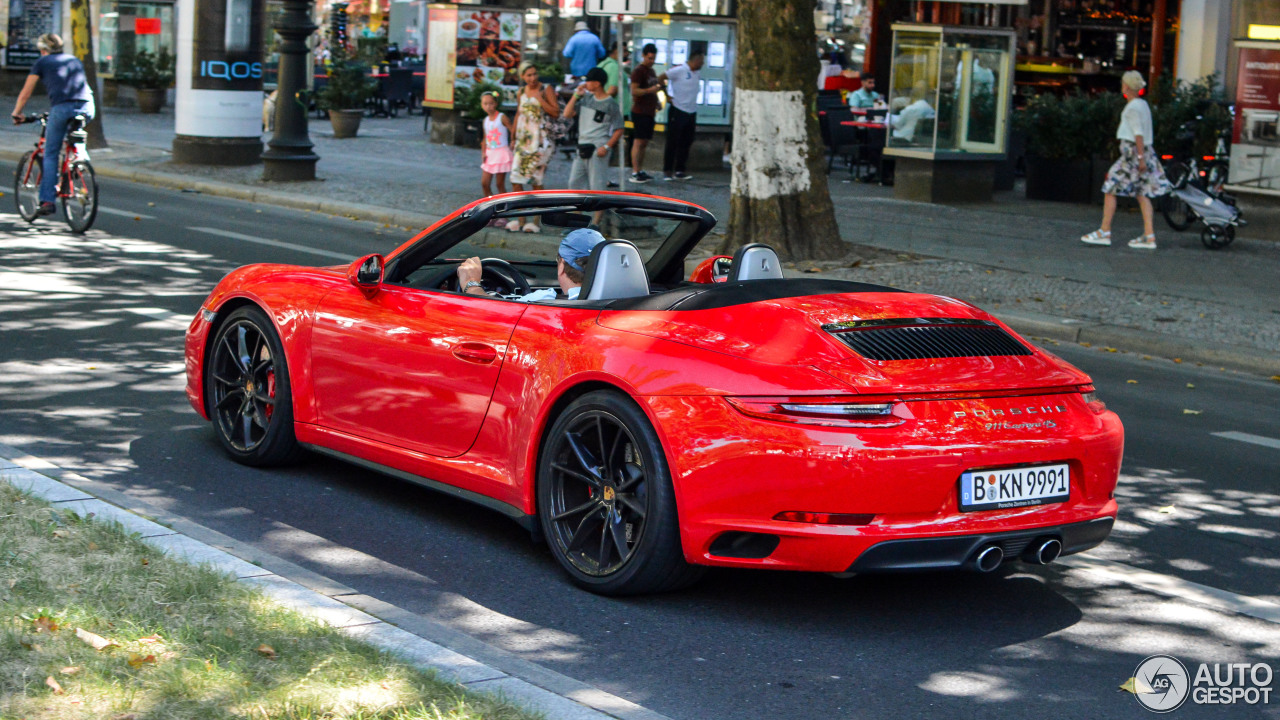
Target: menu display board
(715,92)
(489,50)
(715,54)
(442,30)
(1255,146)
(679,52)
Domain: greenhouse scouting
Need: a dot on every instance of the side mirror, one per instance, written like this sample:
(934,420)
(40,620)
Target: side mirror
(366,274)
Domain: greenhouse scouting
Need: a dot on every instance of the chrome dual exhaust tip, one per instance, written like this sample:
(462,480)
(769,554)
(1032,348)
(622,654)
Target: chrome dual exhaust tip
(1043,551)
(989,558)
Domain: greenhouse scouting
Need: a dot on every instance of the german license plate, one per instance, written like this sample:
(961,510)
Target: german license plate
(1014,487)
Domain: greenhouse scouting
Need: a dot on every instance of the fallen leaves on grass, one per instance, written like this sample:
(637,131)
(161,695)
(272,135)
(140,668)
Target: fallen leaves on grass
(1132,382)
(1188,411)
(136,660)
(1168,509)
(267,652)
(1276,378)
(97,642)
(70,670)
(44,623)
(57,689)
(1178,360)
(1191,386)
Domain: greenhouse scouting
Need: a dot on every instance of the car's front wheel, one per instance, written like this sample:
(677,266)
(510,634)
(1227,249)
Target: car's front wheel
(606,502)
(247,387)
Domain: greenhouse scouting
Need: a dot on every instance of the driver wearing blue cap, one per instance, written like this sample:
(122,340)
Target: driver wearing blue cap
(571,267)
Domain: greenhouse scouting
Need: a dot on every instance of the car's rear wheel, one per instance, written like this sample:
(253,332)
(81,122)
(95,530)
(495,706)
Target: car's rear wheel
(605,499)
(247,388)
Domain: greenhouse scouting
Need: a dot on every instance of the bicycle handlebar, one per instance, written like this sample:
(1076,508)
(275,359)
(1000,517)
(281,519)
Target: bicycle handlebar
(33,117)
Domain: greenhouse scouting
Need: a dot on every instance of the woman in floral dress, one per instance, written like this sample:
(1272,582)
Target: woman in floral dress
(533,146)
(1137,173)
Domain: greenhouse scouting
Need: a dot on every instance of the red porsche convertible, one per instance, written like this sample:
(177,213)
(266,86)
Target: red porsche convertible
(656,424)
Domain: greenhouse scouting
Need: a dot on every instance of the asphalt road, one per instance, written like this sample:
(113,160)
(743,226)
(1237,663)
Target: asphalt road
(91,378)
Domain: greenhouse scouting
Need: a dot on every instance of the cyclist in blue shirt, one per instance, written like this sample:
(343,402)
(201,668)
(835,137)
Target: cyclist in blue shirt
(584,50)
(69,95)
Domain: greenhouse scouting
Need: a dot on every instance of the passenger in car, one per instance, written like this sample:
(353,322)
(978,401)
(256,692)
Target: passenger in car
(571,266)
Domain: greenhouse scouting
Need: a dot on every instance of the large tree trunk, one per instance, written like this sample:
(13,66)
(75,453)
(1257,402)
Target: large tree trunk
(82,48)
(779,183)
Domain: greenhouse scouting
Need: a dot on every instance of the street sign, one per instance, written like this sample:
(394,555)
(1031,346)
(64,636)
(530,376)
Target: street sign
(618,7)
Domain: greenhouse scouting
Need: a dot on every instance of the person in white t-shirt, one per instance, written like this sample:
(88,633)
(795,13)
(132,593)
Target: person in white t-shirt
(1137,173)
(682,115)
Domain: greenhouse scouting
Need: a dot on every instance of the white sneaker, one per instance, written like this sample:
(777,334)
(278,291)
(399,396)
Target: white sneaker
(530,227)
(1143,242)
(1097,237)
(513,226)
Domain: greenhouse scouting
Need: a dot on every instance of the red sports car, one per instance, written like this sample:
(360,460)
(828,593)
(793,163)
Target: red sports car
(657,424)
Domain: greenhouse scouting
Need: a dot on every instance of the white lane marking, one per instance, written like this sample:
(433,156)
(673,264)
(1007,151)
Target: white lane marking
(1247,438)
(272,243)
(1176,587)
(126,213)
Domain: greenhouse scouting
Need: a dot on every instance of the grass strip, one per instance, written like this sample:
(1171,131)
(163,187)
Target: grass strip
(180,641)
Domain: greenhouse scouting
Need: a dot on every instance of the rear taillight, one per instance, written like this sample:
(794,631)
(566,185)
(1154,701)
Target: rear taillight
(1090,397)
(828,411)
(824,518)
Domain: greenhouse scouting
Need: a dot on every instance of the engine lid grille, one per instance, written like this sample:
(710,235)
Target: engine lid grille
(925,338)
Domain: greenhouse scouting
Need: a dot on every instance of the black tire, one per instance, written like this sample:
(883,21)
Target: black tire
(245,355)
(26,185)
(1217,237)
(80,208)
(611,525)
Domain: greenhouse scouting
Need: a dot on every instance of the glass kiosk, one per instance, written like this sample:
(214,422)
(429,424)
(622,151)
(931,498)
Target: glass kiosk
(949,100)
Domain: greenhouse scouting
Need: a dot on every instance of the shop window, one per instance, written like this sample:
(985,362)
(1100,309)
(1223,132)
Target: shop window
(129,27)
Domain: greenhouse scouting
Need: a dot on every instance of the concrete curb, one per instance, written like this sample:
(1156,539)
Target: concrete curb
(455,656)
(296,201)
(1244,359)
(1134,340)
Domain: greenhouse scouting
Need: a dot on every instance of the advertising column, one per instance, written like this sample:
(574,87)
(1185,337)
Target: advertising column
(218,113)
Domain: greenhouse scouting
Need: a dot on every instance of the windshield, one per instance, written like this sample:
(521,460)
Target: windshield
(535,252)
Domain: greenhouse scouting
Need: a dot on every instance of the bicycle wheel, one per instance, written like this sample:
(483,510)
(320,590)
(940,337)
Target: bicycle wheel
(1176,212)
(1215,177)
(26,185)
(80,204)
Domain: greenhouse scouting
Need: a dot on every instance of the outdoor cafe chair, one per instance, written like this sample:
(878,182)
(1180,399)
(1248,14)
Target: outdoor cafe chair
(844,140)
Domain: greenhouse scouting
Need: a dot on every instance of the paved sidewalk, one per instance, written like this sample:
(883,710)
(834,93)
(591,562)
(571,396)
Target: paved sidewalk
(454,656)
(1019,259)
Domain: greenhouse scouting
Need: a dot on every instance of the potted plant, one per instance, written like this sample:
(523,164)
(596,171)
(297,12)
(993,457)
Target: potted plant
(345,93)
(1069,140)
(151,74)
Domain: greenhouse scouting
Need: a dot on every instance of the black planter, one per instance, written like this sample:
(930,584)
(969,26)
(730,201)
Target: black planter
(1059,179)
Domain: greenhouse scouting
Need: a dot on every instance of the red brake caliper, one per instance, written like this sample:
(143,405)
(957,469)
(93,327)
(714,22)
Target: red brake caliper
(271,390)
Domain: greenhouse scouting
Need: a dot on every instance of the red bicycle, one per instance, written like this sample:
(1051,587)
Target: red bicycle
(77,186)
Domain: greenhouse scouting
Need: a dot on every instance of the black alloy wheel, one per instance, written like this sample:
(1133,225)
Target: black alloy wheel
(606,502)
(247,390)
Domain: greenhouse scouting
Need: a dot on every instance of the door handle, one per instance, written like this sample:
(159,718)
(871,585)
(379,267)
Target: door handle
(475,352)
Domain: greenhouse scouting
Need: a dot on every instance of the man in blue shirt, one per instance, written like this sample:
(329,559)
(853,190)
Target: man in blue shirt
(866,96)
(584,50)
(69,95)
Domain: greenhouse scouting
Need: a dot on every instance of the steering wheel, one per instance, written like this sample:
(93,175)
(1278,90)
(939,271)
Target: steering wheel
(496,275)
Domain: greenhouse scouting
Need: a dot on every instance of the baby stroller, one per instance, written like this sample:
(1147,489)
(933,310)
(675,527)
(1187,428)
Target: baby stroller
(1218,214)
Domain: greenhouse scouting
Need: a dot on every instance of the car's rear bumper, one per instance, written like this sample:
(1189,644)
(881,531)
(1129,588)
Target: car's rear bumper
(737,478)
(959,551)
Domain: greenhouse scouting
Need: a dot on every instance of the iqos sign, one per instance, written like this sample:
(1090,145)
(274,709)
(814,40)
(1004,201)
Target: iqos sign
(228,45)
(228,71)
